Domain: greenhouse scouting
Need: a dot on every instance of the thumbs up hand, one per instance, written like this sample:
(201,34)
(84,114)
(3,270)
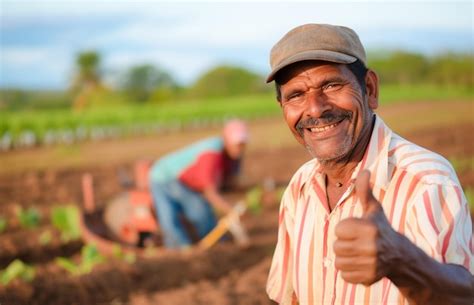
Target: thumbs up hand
(365,247)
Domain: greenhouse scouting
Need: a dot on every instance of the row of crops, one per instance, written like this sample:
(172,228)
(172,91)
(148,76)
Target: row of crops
(60,225)
(49,127)
(64,219)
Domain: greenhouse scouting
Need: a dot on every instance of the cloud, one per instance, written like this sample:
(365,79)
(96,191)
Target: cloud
(187,38)
(34,67)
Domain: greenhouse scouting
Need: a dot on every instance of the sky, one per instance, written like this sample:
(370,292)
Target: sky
(40,39)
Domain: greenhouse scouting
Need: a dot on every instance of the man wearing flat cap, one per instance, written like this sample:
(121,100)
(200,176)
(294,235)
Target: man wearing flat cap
(372,218)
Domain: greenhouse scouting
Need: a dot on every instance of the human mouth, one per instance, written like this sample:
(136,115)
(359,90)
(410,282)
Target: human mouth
(323,128)
(325,132)
(322,125)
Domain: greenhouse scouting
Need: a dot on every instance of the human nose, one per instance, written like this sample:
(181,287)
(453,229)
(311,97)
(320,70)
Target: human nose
(316,105)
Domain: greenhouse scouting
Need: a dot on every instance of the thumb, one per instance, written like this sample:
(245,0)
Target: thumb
(364,192)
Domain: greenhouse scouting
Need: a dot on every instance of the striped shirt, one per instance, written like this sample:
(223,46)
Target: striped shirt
(421,197)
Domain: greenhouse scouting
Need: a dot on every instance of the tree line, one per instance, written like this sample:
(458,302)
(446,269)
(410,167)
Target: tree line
(401,67)
(147,83)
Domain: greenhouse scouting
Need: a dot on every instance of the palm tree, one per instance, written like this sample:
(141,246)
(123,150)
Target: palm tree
(87,79)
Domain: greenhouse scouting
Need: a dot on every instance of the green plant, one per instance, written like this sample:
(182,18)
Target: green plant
(223,81)
(3,224)
(66,220)
(128,257)
(67,264)
(29,218)
(280,192)
(253,198)
(90,257)
(56,126)
(45,237)
(17,269)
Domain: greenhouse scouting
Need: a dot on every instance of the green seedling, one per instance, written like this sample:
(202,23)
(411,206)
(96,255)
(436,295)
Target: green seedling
(68,265)
(29,218)
(253,198)
(66,220)
(17,269)
(45,237)
(118,252)
(90,257)
(130,258)
(3,224)
(280,191)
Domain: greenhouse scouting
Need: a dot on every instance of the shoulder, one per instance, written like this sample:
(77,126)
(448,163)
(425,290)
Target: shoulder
(420,163)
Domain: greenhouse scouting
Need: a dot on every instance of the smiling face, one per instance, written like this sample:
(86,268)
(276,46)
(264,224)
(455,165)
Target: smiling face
(325,107)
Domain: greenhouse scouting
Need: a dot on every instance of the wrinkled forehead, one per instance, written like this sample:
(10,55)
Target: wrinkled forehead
(297,69)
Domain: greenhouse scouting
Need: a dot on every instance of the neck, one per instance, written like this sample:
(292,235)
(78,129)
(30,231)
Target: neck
(339,171)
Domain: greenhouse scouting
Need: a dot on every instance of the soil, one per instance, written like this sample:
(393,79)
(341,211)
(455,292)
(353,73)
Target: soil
(224,274)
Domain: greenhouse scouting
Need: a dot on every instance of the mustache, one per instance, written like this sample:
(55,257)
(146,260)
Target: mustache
(327,118)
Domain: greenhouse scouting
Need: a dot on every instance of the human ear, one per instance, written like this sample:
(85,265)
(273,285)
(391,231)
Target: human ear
(372,89)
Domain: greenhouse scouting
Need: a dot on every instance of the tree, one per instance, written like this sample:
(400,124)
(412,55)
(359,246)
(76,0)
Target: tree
(452,69)
(401,67)
(88,64)
(87,79)
(227,81)
(143,81)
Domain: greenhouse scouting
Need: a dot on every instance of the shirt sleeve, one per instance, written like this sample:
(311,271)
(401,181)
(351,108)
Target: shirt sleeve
(279,283)
(441,224)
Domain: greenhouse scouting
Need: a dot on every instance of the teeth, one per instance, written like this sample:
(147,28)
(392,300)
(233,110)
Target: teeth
(321,129)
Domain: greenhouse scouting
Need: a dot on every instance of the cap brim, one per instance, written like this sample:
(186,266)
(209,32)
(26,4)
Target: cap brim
(323,55)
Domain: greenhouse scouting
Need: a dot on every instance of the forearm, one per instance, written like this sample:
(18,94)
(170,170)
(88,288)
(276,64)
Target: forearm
(423,280)
(216,200)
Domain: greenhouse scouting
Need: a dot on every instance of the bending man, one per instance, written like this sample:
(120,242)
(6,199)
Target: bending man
(187,183)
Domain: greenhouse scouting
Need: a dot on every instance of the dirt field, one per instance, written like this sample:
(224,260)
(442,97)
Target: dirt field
(225,274)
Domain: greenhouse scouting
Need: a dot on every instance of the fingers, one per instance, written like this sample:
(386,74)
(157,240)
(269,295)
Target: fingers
(354,228)
(357,269)
(351,249)
(359,277)
(369,203)
(355,248)
(355,263)
(363,189)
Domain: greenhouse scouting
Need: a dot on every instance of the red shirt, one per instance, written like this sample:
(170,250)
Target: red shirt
(209,169)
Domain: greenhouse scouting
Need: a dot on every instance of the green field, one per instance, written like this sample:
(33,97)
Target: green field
(43,127)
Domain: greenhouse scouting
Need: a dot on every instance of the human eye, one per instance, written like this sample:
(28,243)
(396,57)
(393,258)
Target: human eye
(293,96)
(332,86)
